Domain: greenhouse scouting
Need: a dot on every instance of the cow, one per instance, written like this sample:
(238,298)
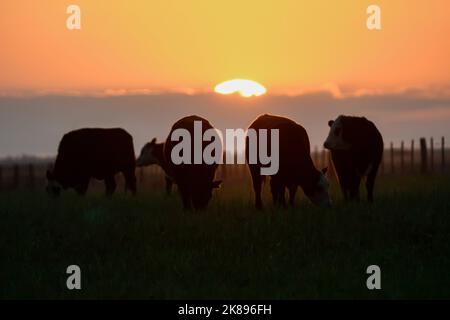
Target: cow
(195,181)
(356,148)
(93,153)
(296,167)
(153,153)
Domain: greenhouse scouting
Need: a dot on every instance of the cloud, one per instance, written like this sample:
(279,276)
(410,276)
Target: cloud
(332,89)
(34,124)
(428,115)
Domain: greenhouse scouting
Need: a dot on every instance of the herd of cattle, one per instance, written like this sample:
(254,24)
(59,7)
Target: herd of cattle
(355,143)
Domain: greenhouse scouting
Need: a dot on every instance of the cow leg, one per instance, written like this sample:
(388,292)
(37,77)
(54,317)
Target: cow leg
(185,197)
(283,196)
(292,192)
(345,194)
(274,191)
(354,194)
(110,184)
(354,188)
(257,188)
(168,185)
(345,189)
(277,190)
(344,182)
(130,181)
(81,188)
(186,202)
(349,183)
(370,182)
(257,185)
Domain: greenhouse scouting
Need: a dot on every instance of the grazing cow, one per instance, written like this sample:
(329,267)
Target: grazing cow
(153,153)
(356,149)
(93,153)
(296,167)
(195,181)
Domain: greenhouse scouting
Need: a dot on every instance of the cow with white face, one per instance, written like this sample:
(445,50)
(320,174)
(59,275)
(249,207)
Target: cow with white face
(356,148)
(153,153)
(148,154)
(335,139)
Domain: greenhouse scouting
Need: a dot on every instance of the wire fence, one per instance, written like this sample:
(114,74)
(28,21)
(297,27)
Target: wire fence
(398,159)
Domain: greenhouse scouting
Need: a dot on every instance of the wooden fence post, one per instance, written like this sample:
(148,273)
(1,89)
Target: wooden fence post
(392,157)
(423,156)
(431,154)
(412,155)
(15,182)
(31,176)
(443,154)
(402,157)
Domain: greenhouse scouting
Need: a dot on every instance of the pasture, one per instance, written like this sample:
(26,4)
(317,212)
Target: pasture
(147,247)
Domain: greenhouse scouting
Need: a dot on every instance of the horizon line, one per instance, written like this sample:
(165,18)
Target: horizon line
(328,89)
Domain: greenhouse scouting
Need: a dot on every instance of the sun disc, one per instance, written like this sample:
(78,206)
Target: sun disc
(246,88)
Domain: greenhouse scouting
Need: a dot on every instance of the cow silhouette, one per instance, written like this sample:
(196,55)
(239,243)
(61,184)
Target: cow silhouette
(356,148)
(296,167)
(93,153)
(195,181)
(153,153)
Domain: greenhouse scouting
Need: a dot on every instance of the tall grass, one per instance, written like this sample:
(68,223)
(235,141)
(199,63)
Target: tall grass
(147,247)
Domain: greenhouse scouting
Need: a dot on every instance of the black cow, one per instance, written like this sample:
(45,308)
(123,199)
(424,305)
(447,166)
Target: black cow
(93,153)
(153,153)
(195,181)
(356,149)
(296,167)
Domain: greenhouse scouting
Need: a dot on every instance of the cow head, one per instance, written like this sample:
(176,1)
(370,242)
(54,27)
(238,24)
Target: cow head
(318,193)
(335,139)
(147,156)
(53,187)
(203,194)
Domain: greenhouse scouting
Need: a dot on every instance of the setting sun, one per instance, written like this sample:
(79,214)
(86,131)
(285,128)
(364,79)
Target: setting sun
(246,88)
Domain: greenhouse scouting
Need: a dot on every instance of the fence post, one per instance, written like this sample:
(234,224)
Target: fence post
(431,154)
(443,154)
(392,157)
(15,182)
(412,155)
(31,176)
(402,157)
(423,156)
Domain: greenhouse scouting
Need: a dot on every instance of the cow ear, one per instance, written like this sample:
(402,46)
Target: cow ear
(324,170)
(153,141)
(330,123)
(49,175)
(216,184)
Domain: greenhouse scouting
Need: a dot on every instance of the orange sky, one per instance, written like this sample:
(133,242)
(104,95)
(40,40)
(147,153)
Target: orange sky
(288,46)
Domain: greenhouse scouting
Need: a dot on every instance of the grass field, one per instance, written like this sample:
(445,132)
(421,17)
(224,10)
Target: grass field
(147,247)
